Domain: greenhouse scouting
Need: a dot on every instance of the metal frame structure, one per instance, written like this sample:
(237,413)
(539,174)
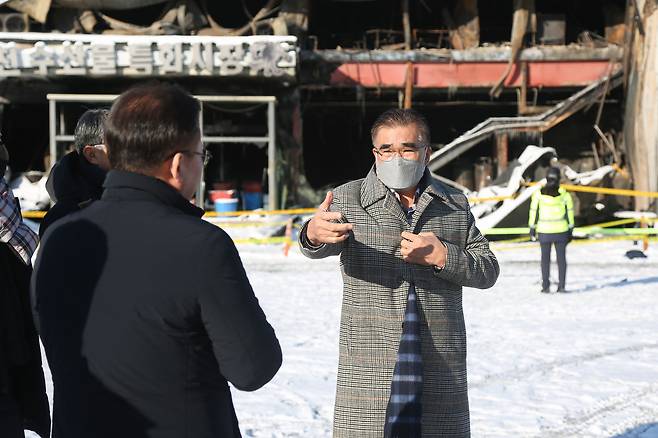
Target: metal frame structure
(270,138)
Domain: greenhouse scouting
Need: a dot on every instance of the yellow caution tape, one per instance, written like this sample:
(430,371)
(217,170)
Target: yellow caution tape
(502,231)
(260,241)
(610,191)
(28,214)
(577,230)
(515,240)
(603,190)
(604,227)
(508,245)
(228,225)
(490,198)
(33,214)
(36,214)
(260,212)
(610,224)
(248,224)
(612,239)
(623,231)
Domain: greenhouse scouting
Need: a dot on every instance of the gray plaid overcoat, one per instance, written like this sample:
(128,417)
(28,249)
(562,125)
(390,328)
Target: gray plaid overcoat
(376,283)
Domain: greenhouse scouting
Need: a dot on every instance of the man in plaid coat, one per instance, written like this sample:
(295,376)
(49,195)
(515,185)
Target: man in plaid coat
(407,246)
(23,401)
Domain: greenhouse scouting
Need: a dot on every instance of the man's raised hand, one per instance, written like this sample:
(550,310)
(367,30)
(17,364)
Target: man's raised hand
(423,249)
(322,228)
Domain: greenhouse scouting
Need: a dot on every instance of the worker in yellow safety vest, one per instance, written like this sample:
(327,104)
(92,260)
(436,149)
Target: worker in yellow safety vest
(551,220)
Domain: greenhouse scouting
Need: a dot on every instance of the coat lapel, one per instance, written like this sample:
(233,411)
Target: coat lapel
(433,192)
(392,205)
(373,190)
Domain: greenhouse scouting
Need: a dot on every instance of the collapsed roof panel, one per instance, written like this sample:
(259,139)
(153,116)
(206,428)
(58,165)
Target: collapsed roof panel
(541,122)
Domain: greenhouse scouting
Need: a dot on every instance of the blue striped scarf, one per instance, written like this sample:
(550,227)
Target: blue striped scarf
(404,410)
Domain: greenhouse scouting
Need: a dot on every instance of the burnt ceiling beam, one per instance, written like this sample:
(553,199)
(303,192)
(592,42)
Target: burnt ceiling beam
(486,54)
(554,67)
(554,74)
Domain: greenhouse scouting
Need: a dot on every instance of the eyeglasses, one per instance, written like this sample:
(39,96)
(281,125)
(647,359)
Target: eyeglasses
(409,151)
(204,154)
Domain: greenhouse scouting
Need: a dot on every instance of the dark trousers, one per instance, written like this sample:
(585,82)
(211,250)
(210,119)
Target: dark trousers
(11,422)
(546,242)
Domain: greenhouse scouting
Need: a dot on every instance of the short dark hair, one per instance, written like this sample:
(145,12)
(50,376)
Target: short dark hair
(90,127)
(402,117)
(148,123)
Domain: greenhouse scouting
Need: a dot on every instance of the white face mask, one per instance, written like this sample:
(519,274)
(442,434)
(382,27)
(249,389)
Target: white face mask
(400,174)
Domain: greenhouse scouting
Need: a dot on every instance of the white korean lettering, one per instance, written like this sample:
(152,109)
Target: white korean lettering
(42,57)
(141,58)
(171,56)
(72,58)
(9,65)
(104,59)
(201,57)
(232,58)
(267,57)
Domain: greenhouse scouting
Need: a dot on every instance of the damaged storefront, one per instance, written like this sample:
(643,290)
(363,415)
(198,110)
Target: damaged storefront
(49,79)
(495,80)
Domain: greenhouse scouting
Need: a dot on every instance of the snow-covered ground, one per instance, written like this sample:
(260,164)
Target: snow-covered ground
(580,364)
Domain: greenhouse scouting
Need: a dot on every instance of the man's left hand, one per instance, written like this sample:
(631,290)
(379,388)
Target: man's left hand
(423,249)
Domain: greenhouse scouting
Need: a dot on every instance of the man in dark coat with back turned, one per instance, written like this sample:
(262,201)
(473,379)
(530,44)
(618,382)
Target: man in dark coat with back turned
(77,179)
(23,402)
(145,309)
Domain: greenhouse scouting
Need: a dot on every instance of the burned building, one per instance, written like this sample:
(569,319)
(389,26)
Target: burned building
(491,77)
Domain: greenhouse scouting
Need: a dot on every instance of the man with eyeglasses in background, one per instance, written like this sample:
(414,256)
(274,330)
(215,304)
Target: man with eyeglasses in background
(77,179)
(408,244)
(145,310)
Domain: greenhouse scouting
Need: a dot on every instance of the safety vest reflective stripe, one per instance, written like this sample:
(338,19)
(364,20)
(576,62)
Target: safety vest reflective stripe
(555,213)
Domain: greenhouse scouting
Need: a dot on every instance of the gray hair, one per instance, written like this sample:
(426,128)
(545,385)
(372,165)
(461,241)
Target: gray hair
(402,117)
(90,128)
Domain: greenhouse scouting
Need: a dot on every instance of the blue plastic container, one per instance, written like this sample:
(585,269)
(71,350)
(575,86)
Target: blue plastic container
(226,204)
(252,200)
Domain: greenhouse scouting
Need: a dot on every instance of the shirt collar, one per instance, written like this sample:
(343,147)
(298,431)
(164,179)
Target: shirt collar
(412,207)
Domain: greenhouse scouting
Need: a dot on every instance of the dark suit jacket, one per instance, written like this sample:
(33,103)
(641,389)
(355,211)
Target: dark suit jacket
(146,312)
(72,184)
(23,401)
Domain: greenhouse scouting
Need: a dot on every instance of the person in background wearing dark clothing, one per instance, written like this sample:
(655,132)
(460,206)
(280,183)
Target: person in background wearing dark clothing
(551,218)
(23,401)
(145,309)
(77,178)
